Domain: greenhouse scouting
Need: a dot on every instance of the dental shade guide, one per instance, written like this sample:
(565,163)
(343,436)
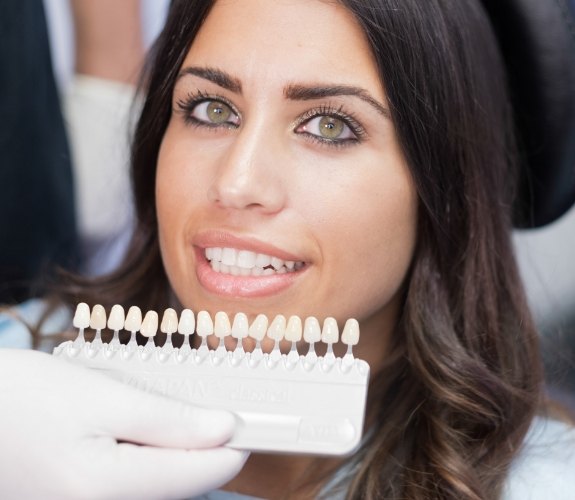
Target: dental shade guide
(284,403)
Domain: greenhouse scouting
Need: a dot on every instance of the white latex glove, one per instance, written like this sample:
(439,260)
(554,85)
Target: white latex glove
(68,432)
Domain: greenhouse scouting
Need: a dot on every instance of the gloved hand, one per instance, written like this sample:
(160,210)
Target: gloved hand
(69,432)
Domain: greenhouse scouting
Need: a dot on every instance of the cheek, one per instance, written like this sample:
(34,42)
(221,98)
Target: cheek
(368,234)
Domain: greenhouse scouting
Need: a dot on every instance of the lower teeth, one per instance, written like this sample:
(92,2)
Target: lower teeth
(254,271)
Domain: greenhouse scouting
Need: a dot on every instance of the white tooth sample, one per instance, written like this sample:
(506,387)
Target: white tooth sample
(277,329)
(229,256)
(276,263)
(98,317)
(81,316)
(246,259)
(235,270)
(116,318)
(290,264)
(330,331)
(209,253)
(311,330)
(187,323)
(216,265)
(268,272)
(133,319)
(224,268)
(222,325)
(259,327)
(149,324)
(293,334)
(116,323)
(169,323)
(240,326)
(257,271)
(186,327)
(205,325)
(293,329)
(263,260)
(350,334)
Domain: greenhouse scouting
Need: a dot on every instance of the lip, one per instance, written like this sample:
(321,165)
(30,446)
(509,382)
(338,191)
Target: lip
(241,286)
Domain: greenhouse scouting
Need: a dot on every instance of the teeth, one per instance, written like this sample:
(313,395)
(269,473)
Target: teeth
(169,321)
(350,334)
(98,317)
(246,259)
(229,256)
(205,325)
(150,324)
(240,326)
(259,327)
(116,319)
(279,329)
(82,316)
(222,325)
(293,329)
(187,322)
(330,332)
(246,263)
(133,319)
(311,330)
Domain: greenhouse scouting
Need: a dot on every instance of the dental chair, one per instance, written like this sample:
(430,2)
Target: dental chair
(537,39)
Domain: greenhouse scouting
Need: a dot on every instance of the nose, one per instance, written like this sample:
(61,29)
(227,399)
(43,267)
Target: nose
(248,175)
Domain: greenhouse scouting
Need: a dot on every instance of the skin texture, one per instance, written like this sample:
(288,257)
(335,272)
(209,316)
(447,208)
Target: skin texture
(347,211)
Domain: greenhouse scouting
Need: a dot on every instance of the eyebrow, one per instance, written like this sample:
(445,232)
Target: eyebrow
(308,93)
(220,78)
(293,92)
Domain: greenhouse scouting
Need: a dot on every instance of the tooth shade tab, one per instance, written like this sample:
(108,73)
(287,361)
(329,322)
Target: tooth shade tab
(98,317)
(81,316)
(133,319)
(330,331)
(311,330)
(240,326)
(294,329)
(150,324)
(169,321)
(277,329)
(259,327)
(116,318)
(222,326)
(187,323)
(350,334)
(205,325)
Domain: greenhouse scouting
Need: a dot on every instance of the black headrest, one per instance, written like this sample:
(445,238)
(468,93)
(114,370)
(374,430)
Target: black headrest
(537,39)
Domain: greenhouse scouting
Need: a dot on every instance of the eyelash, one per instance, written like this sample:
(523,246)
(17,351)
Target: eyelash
(339,113)
(194,99)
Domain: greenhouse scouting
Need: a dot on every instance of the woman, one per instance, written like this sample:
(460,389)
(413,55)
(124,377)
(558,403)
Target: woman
(369,144)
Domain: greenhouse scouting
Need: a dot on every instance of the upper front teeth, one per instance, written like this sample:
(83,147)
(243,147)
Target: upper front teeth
(245,259)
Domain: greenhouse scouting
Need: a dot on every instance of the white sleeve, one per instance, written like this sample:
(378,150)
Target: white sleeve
(545,468)
(14,333)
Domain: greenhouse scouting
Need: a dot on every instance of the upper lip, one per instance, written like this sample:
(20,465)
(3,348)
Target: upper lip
(217,238)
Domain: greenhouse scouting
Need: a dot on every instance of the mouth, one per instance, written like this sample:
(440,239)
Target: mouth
(227,260)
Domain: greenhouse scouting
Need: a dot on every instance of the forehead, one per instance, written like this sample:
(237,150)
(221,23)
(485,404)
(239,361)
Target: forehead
(286,40)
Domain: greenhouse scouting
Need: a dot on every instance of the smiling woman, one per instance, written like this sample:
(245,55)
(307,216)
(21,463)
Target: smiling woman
(347,159)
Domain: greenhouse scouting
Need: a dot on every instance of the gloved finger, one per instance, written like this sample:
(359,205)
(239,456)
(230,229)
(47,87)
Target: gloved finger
(144,472)
(128,414)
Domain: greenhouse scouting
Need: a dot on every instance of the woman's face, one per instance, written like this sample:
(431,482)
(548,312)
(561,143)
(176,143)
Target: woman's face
(281,186)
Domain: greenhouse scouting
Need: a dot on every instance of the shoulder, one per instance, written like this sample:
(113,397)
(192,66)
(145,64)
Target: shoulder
(14,321)
(545,466)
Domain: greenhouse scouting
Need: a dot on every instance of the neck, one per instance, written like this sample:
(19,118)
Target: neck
(283,476)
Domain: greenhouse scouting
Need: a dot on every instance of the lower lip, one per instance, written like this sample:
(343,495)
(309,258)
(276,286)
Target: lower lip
(241,286)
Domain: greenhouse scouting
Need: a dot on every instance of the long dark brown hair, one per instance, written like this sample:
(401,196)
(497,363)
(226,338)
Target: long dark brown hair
(454,401)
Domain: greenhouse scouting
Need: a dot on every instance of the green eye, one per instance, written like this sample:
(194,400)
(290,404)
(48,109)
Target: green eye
(330,127)
(218,112)
(211,113)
